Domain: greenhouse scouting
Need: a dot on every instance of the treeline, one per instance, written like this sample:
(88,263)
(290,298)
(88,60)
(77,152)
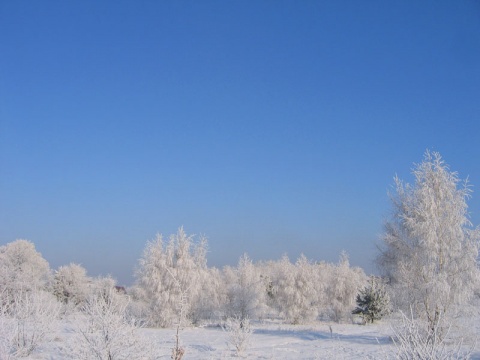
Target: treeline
(174,273)
(173,287)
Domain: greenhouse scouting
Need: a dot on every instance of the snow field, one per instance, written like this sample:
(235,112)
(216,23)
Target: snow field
(269,340)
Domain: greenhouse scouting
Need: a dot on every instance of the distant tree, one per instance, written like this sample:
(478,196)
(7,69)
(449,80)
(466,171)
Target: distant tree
(373,301)
(71,284)
(22,268)
(429,250)
(102,286)
(246,293)
(295,289)
(170,274)
(211,298)
(343,286)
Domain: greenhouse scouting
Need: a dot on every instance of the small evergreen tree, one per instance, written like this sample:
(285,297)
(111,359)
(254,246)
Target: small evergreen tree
(373,301)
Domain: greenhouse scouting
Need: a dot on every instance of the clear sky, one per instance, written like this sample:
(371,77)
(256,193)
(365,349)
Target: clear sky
(271,127)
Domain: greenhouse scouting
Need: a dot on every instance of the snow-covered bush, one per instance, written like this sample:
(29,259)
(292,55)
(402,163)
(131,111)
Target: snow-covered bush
(22,269)
(104,331)
(71,285)
(168,273)
(239,332)
(373,301)
(246,293)
(26,322)
(138,307)
(415,340)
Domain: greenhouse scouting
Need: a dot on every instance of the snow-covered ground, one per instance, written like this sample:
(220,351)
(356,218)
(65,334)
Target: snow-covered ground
(269,340)
(273,341)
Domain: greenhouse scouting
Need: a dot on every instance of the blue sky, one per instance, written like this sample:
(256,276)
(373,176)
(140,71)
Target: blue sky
(271,127)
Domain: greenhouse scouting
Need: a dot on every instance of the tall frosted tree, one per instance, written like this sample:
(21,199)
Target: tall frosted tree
(170,277)
(429,249)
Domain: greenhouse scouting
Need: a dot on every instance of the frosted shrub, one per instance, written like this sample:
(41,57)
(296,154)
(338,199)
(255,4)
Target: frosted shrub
(415,340)
(137,307)
(104,332)
(27,322)
(239,332)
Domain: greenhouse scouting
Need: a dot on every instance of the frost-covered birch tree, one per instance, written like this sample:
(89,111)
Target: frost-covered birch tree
(296,289)
(246,293)
(211,299)
(429,247)
(344,283)
(171,276)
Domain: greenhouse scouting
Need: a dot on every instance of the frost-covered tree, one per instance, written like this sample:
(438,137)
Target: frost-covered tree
(296,289)
(429,250)
(170,276)
(22,268)
(211,298)
(344,284)
(373,301)
(102,286)
(246,293)
(281,287)
(71,284)
(309,290)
